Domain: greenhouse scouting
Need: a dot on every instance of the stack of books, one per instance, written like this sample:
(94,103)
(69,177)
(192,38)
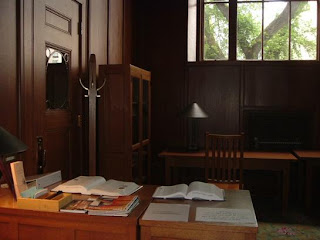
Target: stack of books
(121,206)
(104,206)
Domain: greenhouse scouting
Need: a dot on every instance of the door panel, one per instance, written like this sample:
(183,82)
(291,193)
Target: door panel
(56,71)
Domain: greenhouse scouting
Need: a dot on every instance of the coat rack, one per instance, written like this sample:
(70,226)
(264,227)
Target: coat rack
(92,95)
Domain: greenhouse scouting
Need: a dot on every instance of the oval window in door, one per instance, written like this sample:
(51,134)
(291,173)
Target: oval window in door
(57,79)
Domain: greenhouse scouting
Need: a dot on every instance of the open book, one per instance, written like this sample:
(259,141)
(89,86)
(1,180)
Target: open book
(195,190)
(97,185)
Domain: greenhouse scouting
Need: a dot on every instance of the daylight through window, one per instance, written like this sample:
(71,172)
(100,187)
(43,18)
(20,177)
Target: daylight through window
(259,29)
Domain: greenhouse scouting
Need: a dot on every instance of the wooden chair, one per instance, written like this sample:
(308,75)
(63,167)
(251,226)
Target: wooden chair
(224,155)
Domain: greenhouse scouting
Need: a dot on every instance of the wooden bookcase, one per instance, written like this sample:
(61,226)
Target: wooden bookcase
(125,123)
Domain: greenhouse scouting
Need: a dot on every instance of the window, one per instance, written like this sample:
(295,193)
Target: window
(258,30)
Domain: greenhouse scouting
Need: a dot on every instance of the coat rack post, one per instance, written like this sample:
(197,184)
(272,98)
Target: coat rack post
(92,95)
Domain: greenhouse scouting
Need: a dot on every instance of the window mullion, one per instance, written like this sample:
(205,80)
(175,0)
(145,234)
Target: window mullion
(201,30)
(232,30)
(262,32)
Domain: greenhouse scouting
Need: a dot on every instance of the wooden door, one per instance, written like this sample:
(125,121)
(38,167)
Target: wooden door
(57,54)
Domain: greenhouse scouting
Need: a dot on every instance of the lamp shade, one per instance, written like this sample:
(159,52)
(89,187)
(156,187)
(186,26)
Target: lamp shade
(9,144)
(194,111)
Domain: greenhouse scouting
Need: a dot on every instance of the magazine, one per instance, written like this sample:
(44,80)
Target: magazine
(98,185)
(195,190)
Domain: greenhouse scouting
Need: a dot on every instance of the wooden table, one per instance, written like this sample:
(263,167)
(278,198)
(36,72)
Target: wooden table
(311,159)
(167,230)
(273,161)
(26,224)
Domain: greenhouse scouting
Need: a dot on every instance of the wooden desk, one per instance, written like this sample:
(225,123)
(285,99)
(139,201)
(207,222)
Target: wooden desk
(26,224)
(273,161)
(238,199)
(311,159)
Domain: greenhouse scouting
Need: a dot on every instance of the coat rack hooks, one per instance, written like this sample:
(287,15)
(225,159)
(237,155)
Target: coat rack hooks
(92,80)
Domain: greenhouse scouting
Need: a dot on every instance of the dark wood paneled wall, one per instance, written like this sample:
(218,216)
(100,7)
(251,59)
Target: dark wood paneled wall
(98,31)
(8,70)
(119,51)
(224,89)
(159,46)
(217,90)
(115,39)
(227,90)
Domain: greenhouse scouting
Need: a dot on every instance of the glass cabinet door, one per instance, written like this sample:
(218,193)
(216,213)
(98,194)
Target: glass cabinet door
(135,110)
(145,109)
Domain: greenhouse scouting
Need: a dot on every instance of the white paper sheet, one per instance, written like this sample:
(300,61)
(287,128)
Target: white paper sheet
(227,215)
(167,212)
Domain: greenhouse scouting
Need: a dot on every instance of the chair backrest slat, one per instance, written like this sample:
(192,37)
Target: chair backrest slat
(224,155)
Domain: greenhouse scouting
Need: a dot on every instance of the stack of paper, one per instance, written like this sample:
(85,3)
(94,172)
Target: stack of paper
(167,212)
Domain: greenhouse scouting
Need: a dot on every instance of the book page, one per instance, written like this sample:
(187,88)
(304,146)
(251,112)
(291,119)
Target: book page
(205,191)
(81,184)
(239,216)
(175,191)
(115,188)
(167,212)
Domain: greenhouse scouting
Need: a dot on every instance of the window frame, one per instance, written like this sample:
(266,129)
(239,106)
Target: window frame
(233,32)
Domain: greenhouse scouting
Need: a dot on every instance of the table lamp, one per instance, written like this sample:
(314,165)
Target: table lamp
(10,146)
(194,112)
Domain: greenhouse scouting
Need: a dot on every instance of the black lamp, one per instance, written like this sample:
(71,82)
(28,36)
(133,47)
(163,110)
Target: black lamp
(194,112)
(10,146)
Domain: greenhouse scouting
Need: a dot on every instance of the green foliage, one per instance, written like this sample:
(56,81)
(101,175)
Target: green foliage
(249,37)
(277,47)
(303,35)
(248,30)
(216,41)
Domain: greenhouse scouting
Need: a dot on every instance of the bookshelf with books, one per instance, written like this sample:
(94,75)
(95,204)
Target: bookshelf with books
(125,123)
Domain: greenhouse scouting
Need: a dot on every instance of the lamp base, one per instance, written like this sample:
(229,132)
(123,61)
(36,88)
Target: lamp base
(193,145)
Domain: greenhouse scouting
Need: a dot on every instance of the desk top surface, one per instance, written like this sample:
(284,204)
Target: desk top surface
(235,199)
(308,153)
(246,155)
(8,205)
